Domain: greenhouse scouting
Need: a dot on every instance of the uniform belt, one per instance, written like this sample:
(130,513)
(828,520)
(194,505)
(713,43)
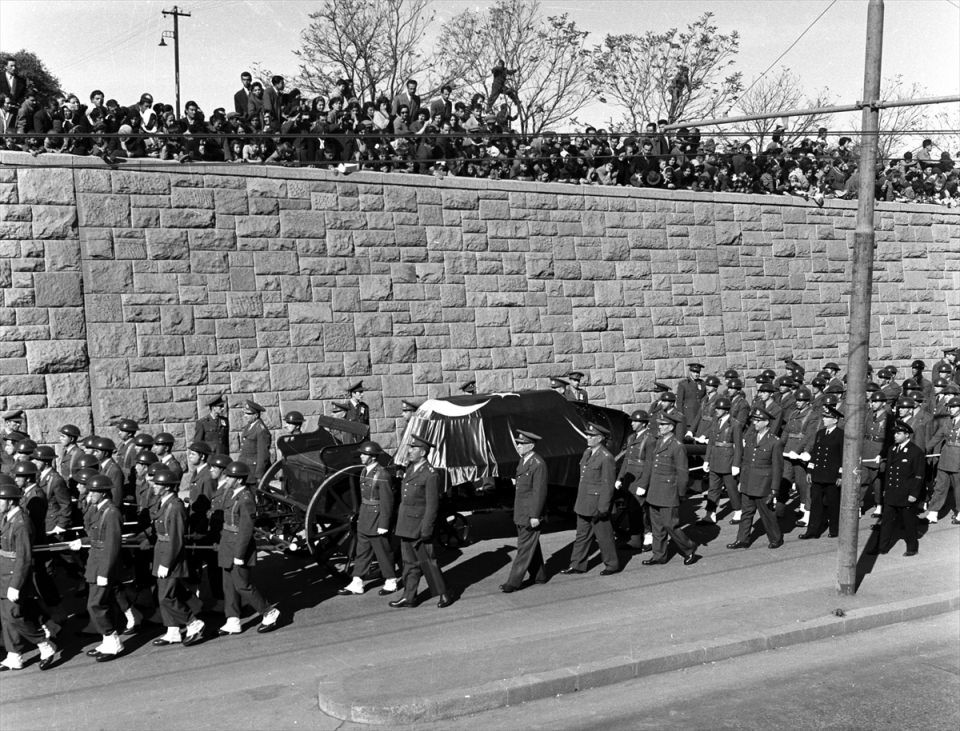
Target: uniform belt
(795,435)
(163,539)
(367,501)
(231,529)
(8,554)
(723,444)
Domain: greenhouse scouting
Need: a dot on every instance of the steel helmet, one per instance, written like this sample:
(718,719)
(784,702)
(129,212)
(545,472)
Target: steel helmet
(99,483)
(238,469)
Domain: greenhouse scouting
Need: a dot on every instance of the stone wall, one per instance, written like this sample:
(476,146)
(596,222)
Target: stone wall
(139,292)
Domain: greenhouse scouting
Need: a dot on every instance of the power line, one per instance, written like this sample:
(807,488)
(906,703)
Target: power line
(789,48)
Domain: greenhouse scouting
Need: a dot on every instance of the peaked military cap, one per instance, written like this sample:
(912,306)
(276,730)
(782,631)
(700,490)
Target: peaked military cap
(527,437)
(421,443)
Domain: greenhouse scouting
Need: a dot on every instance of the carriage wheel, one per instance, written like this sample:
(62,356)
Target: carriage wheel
(274,473)
(331,521)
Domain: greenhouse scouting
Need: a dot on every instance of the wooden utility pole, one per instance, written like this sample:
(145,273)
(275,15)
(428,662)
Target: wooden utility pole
(177,14)
(860,299)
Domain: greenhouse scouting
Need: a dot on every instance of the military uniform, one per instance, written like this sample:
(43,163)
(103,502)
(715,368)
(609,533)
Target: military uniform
(592,507)
(690,392)
(664,479)
(739,408)
(255,449)
(112,470)
(214,431)
(376,512)
(760,472)
(237,543)
(799,435)
(529,503)
(826,459)
(59,507)
(172,464)
(948,468)
(904,479)
(169,527)
(358,412)
(104,528)
(877,438)
(416,523)
(20,620)
(636,453)
(724,452)
(68,461)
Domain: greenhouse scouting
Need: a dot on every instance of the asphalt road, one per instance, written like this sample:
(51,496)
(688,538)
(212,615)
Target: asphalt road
(902,676)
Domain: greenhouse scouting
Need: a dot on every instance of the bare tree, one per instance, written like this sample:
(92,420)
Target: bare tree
(374,44)
(781,92)
(946,120)
(899,125)
(548,55)
(672,75)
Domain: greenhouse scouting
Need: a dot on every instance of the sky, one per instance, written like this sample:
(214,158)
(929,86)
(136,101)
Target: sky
(113,44)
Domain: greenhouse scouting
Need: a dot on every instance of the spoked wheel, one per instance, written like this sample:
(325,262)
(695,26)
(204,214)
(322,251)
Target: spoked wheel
(331,521)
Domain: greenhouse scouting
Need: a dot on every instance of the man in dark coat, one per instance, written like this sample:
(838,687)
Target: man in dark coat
(799,434)
(242,97)
(690,391)
(528,510)
(876,441)
(373,523)
(254,443)
(357,411)
(592,507)
(761,467)
(904,484)
(826,463)
(12,85)
(214,428)
(722,460)
(948,466)
(635,454)
(416,523)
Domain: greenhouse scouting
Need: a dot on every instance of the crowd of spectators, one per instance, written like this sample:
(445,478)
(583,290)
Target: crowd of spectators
(464,138)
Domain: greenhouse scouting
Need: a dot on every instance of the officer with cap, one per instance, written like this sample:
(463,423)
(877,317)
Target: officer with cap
(877,438)
(469,388)
(104,526)
(592,507)
(833,375)
(562,387)
(68,434)
(103,449)
(254,442)
(904,485)
(575,392)
(690,391)
(826,465)
(407,410)
(237,554)
(14,421)
(357,410)
(948,467)
(19,614)
(722,460)
(762,467)
(416,523)
(662,483)
(799,434)
(293,423)
(635,454)
(214,428)
(529,504)
(890,388)
(163,448)
(373,523)
(170,563)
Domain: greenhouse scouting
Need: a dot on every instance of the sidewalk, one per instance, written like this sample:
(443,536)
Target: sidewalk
(491,649)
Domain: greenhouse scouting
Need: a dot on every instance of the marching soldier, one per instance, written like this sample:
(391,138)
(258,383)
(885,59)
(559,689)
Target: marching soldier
(799,434)
(214,428)
(826,464)
(876,441)
(739,407)
(668,406)
(888,386)
(237,553)
(126,451)
(697,430)
(788,396)
(170,565)
(528,510)
(293,423)
(254,443)
(662,484)
(416,522)
(832,371)
(904,484)
(163,448)
(19,614)
(592,507)
(635,455)
(55,489)
(373,523)
(575,392)
(103,449)
(917,382)
(722,460)
(762,466)
(690,391)
(68,435)
(768,402)
(948,467)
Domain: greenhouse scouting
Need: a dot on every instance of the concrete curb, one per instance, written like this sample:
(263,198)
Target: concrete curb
(335,695)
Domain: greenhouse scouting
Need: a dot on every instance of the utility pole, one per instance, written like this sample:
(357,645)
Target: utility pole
(860,299)
(175,35)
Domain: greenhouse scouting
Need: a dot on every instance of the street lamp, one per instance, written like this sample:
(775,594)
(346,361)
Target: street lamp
(175,35)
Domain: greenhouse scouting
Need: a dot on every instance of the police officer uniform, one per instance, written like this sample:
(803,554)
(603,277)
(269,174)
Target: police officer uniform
(826,459)
(528,505)
(592,507)
(904,480)
(760,470)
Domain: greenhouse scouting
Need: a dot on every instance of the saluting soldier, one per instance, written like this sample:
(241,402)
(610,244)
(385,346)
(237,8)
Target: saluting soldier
(904,485)
(170,563)
(948,467)
(593,504)
(528,510)
(237,554)
(690,391)
(799,434)
(826,465)
(722,460)
(663,484)
(357,411)
(214,428)
(19,614)
(576,392)
(761,468)
(254,443)
(877,437)
(635,454)
(373,523)
(416,523)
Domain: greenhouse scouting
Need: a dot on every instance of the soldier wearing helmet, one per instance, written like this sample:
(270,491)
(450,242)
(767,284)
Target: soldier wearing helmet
(373,523)
(917,381)
(876,442)
(69,451)
(170,563)
(739,406)
(103,449)
(799,433)
(59,507)
(163,448)
(127,449)
(8,456)
(237,553)
(19,614)
(293,422)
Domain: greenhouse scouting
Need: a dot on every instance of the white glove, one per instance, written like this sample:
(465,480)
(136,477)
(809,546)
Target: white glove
(534,522)
(238,562)
(706,466)
(617,484)
(58,529)
(382,531)
(162,572)
(13,594)
(805,456)
(641,491)
(701,440)
(734,470)
(689,434)
(101,581)
(75,545)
